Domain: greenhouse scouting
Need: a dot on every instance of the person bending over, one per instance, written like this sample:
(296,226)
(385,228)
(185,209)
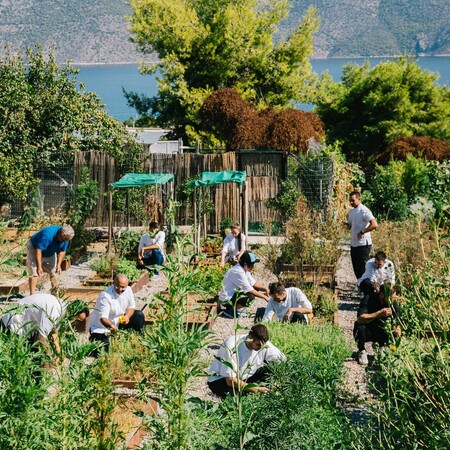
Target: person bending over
(371,324)
(240,288)
(115,308)
(379,271)
(287,304)
(45,252)
(233,246)
(247,355)
(38,316)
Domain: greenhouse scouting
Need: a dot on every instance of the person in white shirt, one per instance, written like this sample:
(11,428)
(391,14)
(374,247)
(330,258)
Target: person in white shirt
(287,304)
(151,247)
(240,288)
(233,246)
(361,222)
(38,316)
(247,355)
(115,308)
(379,271)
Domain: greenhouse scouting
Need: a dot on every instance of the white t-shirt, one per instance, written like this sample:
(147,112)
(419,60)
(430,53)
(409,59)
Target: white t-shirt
(244,362)
(385,274)
(295,298)
(236,279)
(358,219)
(231,246)
(146,240)
(39,312)
(110,305)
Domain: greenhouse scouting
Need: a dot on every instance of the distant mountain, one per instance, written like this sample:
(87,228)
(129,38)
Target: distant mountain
(378,27)
(95,31)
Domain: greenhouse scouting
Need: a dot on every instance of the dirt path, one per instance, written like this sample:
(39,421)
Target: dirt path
(355,393)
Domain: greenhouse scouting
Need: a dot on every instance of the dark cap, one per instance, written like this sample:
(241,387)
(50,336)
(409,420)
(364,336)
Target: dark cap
(248,258)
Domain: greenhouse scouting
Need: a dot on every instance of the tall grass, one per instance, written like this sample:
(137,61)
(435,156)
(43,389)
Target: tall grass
(299,412)
(413,383)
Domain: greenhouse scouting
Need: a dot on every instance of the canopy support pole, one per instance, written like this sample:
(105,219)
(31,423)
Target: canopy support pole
(196,242)
(204,211)
(110,226)
(245,208)
(128,208)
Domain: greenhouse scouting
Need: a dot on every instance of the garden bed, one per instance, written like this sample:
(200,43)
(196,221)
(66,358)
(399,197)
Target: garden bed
(291,274)
(96,281)
(200,310)
(13,285)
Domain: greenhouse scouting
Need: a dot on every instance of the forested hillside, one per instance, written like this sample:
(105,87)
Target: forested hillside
(379,27)
(87,31)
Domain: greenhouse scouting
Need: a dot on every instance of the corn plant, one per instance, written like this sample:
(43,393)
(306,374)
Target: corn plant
(175,353)
(414,377)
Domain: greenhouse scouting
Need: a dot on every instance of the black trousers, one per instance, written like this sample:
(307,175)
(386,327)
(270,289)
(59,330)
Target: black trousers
(366,286)
(221,388)
(369,332)
(137,321)
(360,255)
(243,299)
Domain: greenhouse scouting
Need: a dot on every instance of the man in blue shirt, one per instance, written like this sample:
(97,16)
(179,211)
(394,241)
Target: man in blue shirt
(46,250)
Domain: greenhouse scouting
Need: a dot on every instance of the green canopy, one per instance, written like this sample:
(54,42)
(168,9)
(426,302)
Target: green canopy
(142,179)
(214,178)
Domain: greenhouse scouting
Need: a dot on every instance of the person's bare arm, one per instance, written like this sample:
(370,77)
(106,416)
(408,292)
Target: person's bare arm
(128,313)
(372,225)
(149,247)
(108,324)
(233,382)
(38,256)
(301,310)
(370,317)
(260,287)
(259,295)
(59,260)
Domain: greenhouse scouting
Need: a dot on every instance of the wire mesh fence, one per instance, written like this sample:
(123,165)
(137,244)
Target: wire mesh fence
(52,193)
(315,178)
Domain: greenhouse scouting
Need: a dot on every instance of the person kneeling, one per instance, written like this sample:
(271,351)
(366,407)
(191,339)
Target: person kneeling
(370,325)
(241,360)
(287,305)
(115,309)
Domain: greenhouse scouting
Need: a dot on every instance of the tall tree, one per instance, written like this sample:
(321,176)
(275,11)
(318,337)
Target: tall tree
(45,117)
(204,45)
(371,108)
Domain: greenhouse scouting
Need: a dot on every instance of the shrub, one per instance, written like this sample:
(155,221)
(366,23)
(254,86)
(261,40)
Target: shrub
(127,243)
(388,199)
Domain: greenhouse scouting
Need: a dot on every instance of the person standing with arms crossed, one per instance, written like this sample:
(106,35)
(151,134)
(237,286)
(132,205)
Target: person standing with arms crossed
(360,222)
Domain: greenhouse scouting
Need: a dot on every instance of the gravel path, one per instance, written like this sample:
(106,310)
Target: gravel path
(355,393)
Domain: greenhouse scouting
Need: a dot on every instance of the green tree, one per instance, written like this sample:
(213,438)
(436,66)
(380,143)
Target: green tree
(45,117)
(371,108)
(206,45)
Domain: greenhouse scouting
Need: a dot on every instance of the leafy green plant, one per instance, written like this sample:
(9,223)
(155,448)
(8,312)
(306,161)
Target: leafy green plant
(175,353)
(388,199)
(286,200)
(104,265)
(84,198)
(128,268)
(127,243)
(33,209)
(299,412)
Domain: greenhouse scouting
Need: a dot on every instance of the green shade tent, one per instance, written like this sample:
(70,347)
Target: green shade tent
(214,178)
(208,179)
(142,179)
(132,180)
